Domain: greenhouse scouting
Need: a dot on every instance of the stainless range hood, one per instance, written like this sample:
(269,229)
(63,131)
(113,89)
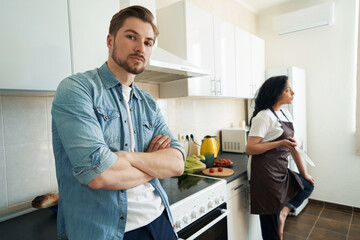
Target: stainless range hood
(163,65)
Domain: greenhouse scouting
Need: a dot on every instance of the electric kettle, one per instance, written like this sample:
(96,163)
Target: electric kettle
(210,145)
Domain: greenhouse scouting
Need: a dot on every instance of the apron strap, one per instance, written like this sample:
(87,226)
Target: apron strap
(277,115)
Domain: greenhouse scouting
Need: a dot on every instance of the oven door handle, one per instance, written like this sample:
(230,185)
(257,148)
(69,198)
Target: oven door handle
(224,213)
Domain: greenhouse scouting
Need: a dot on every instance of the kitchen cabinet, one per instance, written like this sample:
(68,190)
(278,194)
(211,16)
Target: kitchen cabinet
(48,41)
(201,39)
(241,224)
(35,47)
(224,40)
(250,63)
(237,205)
(258,62)
(89,25)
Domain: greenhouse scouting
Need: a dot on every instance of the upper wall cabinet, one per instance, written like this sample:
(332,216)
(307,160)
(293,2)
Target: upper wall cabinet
(224,35)
(35,48)
(234,57)
(250,63)
(258,62)
(89,32)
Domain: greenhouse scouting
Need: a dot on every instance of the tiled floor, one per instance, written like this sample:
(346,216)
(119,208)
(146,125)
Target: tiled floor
(317,222)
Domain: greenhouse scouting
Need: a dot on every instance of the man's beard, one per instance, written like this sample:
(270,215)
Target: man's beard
(125,64)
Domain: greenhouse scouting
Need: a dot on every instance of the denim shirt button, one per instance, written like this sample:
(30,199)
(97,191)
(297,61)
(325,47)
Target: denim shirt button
(125,144)
(135,131)
(122,191)
(131,109)
(124,121)
(121,218)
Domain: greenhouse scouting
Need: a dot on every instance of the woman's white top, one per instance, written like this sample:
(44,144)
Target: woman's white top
(144,205)
(266,125)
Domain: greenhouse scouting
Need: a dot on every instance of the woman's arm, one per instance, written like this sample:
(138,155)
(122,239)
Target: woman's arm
(255,145)
(299,163)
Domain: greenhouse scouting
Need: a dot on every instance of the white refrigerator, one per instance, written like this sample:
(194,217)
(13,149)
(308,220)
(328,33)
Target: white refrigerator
(297,78)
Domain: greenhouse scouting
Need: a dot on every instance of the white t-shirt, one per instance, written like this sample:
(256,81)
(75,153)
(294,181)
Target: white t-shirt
(266,125)
(143,204)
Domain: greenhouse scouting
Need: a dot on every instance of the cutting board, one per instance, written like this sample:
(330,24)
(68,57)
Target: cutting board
(225,173)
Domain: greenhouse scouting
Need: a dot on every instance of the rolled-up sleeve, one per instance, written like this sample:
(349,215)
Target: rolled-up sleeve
(79,131)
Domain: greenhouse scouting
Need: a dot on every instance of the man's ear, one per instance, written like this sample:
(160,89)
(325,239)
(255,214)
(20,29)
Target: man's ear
(109,41)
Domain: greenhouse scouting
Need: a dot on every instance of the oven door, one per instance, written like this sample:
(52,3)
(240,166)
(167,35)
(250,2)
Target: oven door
(212,226)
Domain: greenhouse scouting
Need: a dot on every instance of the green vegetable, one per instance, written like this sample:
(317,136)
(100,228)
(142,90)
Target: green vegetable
(193,165)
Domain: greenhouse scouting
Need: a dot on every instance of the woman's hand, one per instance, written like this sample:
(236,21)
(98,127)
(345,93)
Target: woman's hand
(309,178)
(289,143)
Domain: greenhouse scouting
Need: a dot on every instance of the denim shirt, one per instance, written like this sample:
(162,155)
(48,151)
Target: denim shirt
(89,124)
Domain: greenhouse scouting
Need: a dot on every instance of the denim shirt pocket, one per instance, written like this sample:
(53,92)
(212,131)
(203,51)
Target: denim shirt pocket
(109,120)
(148,131)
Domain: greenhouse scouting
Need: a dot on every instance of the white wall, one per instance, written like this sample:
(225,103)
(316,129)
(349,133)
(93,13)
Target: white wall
(328,55)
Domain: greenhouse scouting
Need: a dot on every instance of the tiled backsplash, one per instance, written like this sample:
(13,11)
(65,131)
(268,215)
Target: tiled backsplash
(26,159)
(27,166)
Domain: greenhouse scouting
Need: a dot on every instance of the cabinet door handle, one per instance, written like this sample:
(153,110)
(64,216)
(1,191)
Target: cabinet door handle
(240,186)
(213,87)
(220,88)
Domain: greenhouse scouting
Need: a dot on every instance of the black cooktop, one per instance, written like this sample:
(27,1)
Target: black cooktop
(178,188)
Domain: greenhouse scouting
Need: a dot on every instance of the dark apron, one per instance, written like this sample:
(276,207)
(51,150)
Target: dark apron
(272,184)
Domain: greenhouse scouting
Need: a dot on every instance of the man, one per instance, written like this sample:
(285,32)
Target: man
(111,143)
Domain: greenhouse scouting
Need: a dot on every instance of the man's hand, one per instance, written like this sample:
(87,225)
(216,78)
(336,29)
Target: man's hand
(159,142)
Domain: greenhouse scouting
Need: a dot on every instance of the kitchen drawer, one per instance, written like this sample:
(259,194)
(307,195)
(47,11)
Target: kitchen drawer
(236,187)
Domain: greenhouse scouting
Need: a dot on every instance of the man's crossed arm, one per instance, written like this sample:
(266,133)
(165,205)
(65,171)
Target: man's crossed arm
(134,168)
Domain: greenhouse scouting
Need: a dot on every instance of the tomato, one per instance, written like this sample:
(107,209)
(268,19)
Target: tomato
(223,162)
(220,169)
(212,170)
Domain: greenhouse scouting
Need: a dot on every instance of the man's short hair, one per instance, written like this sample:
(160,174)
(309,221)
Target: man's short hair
(140,12)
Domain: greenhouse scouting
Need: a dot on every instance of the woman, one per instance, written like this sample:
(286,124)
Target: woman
(275,190)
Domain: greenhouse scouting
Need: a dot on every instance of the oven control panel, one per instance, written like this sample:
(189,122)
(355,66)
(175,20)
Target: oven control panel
(192,208)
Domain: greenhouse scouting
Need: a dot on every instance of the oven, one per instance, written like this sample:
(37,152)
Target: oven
(211,226)
(198,206)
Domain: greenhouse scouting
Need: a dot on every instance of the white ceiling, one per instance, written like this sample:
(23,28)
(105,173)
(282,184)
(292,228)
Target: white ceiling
(258,5)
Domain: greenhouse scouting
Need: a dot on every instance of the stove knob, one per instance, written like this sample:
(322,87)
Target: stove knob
(202,210)
(210,204)
(185,219)
(217,200)
(193,214)
(178,224)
